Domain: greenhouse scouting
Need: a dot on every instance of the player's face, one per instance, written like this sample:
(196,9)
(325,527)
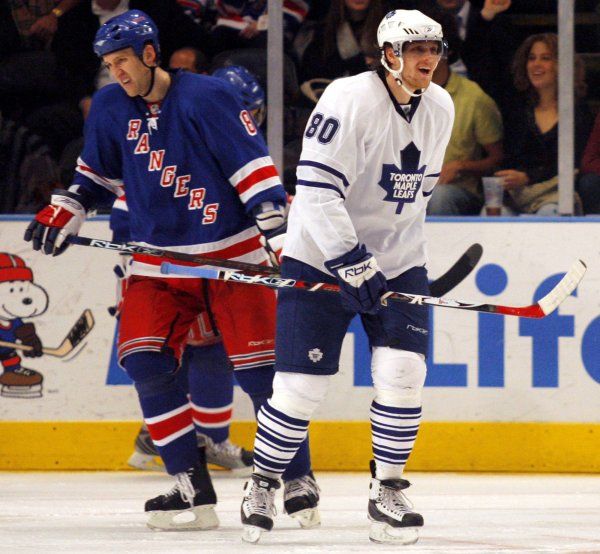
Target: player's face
(128,70)
(542,69)
(183,59)
(420,60)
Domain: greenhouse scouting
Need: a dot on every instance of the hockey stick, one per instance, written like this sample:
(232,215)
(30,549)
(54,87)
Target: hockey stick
(128,248)
(457,273)
(541,309)
(77,333)
(443,284)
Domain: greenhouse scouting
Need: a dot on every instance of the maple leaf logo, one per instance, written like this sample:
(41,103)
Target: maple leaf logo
(402,185)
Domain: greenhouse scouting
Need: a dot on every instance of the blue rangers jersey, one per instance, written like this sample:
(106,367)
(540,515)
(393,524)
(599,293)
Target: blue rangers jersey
(192,166)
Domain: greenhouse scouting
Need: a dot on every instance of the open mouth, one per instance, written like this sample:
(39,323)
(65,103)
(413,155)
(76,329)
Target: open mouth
(425,71)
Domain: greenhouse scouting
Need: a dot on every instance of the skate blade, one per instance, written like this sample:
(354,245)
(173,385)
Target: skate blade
(384,533)
(308,518)
(145,462)
(198,518)
(34,391)
(252,534)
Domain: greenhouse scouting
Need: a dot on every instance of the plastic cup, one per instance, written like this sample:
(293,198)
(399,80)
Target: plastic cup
(493,193)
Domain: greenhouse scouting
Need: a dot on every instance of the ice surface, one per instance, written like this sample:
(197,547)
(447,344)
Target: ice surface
(103,512)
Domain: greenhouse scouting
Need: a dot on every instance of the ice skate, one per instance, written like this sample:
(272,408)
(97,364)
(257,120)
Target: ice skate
(21,383)
(301,500)
(145,456)
(258,506)
(189,505)
(229,456)
(390,512)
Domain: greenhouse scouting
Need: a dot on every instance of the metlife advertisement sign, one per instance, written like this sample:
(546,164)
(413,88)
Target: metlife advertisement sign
(482,367)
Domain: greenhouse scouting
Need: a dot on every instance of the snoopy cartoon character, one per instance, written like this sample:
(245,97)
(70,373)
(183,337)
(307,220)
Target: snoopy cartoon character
(20,298)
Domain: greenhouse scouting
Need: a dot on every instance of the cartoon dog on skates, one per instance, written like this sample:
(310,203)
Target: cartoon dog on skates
(20,298)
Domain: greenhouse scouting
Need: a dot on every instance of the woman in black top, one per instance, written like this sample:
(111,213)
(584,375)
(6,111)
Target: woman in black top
(531,130)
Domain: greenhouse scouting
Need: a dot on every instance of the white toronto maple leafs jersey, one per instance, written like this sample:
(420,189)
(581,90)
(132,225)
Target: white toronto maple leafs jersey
(366,172)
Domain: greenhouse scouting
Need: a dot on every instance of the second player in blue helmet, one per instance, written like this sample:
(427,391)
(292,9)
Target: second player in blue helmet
(250,91)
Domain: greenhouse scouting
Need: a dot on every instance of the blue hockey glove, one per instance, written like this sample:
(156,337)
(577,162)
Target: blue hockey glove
(361,281)
(272,221)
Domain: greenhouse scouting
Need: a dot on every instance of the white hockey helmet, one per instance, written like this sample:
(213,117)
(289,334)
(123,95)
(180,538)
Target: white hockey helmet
(401,26)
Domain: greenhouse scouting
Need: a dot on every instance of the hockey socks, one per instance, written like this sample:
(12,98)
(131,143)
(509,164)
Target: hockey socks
(258,384)
(394,431)
(165,407)
(211,389)
(278,438)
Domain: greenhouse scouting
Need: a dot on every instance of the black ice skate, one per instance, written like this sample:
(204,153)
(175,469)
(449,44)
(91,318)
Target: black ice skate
(189,505)
(301,500)
(390,512)
(258,506)
(145,456)
(228,455)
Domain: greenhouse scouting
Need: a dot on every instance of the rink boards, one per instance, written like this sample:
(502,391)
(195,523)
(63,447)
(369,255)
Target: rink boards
(502,394)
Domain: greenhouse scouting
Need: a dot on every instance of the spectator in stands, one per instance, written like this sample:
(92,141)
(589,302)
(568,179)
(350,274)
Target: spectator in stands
(37,21)
(531,129)
(244,23)
(475,146)
(27,171)
(488,44)
(345,43)
(189,58)
(588,184)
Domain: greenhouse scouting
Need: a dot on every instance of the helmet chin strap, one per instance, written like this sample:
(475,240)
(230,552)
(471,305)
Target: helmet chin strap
(397,75)
(152,74)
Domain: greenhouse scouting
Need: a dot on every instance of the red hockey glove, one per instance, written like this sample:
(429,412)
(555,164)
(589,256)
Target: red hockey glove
(64,216)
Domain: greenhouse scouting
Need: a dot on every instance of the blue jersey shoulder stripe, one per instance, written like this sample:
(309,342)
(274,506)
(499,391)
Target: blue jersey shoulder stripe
(316,184)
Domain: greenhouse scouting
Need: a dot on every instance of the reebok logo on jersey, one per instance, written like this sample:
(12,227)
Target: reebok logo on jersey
(315,355)
(402,184)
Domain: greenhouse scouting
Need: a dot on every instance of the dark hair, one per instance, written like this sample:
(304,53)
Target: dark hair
(519,64)
(368,36)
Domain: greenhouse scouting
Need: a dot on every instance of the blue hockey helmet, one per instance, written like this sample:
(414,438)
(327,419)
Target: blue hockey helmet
(251,93)
(133,28)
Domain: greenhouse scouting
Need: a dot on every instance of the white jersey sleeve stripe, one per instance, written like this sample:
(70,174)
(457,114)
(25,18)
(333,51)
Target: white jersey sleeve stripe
(259,187)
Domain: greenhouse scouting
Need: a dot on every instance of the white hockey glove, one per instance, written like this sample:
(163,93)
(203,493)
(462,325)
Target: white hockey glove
(360,279)
(271,219)
(52,225)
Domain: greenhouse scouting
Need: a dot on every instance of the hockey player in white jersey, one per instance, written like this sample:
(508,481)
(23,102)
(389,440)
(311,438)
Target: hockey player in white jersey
(372,154)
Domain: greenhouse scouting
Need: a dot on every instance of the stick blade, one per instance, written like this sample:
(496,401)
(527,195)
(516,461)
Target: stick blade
(564,288)
(81,328)
(458,272)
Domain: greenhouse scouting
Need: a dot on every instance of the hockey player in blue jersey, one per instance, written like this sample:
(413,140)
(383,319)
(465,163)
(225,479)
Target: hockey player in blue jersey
(198,179)
(205,365)
(372,152)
